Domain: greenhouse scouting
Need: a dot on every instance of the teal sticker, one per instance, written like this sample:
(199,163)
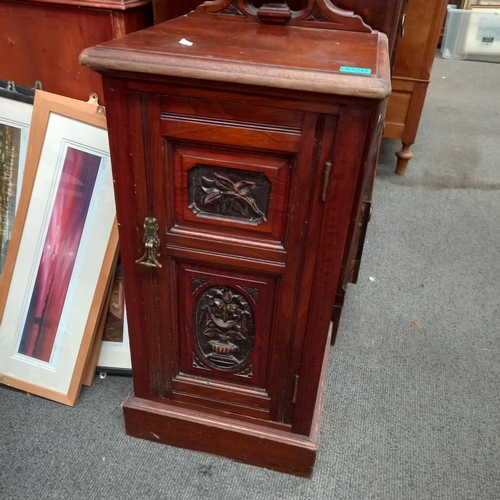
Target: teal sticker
(359,71)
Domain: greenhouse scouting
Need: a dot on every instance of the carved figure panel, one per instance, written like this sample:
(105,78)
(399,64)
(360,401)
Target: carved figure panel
(224,328)
(231,194)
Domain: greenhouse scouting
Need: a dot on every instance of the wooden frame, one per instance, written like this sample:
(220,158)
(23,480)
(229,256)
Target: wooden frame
(466,4)
(473,4)
(114,349)
(115,356)
(62,250)
(16,109)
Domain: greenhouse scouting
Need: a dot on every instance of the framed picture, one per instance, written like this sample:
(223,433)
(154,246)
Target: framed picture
(111,350)
(16,108)
(114,355)
(483,31)
(62,249)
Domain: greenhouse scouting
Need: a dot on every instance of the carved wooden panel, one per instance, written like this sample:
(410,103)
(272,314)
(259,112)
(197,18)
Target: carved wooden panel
(225,323)
(224,328)
(220,192)
(223,191)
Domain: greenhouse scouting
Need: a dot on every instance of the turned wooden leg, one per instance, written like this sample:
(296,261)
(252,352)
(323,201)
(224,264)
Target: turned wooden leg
(404,156)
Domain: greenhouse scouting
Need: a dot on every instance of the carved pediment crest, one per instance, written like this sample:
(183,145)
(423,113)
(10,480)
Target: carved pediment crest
(316,14)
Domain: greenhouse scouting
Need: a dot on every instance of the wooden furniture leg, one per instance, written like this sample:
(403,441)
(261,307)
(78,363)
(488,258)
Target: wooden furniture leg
(411,73)
(404,156)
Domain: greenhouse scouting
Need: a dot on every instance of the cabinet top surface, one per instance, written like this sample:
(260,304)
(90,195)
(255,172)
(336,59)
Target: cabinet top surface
(298,58)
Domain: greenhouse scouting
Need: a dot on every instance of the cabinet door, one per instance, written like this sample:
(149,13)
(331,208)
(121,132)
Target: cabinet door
(227,194)
(229,184)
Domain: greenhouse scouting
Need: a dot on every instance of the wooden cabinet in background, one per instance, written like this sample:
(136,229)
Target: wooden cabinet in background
(239,157)
(411,73)
(41,40)
(410,78)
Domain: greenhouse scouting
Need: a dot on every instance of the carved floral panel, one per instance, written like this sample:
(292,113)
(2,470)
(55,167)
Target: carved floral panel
(226,193)
(224,328)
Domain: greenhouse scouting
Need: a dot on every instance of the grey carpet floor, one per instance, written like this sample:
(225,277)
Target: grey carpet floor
(412,406)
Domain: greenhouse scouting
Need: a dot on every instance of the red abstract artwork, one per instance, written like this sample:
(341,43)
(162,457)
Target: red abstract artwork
(65,229)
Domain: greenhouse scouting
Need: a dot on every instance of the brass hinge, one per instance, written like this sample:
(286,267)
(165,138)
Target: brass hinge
(326,179)
(295,389)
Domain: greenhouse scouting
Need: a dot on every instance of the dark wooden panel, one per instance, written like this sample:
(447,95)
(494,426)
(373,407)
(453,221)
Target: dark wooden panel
(225,324)
(316,64)
(346,170)
(381,15)
(168,9)
(236,194)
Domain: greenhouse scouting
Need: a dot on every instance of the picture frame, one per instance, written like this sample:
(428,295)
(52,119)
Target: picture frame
(114,356)
(16,109)
(466,4)
(10,90)
(483,31)
(64,242)
(111,350)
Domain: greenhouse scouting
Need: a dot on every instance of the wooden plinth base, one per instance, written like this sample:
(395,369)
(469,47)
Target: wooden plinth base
(195,430)
(249,443)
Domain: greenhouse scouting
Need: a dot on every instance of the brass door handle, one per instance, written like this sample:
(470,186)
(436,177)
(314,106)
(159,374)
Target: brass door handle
(151,243)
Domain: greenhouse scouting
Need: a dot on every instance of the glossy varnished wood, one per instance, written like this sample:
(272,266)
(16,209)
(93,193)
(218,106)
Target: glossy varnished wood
(260,58)
(41,40)
(243,441)
(381,15)
(165,10)
(193,132)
